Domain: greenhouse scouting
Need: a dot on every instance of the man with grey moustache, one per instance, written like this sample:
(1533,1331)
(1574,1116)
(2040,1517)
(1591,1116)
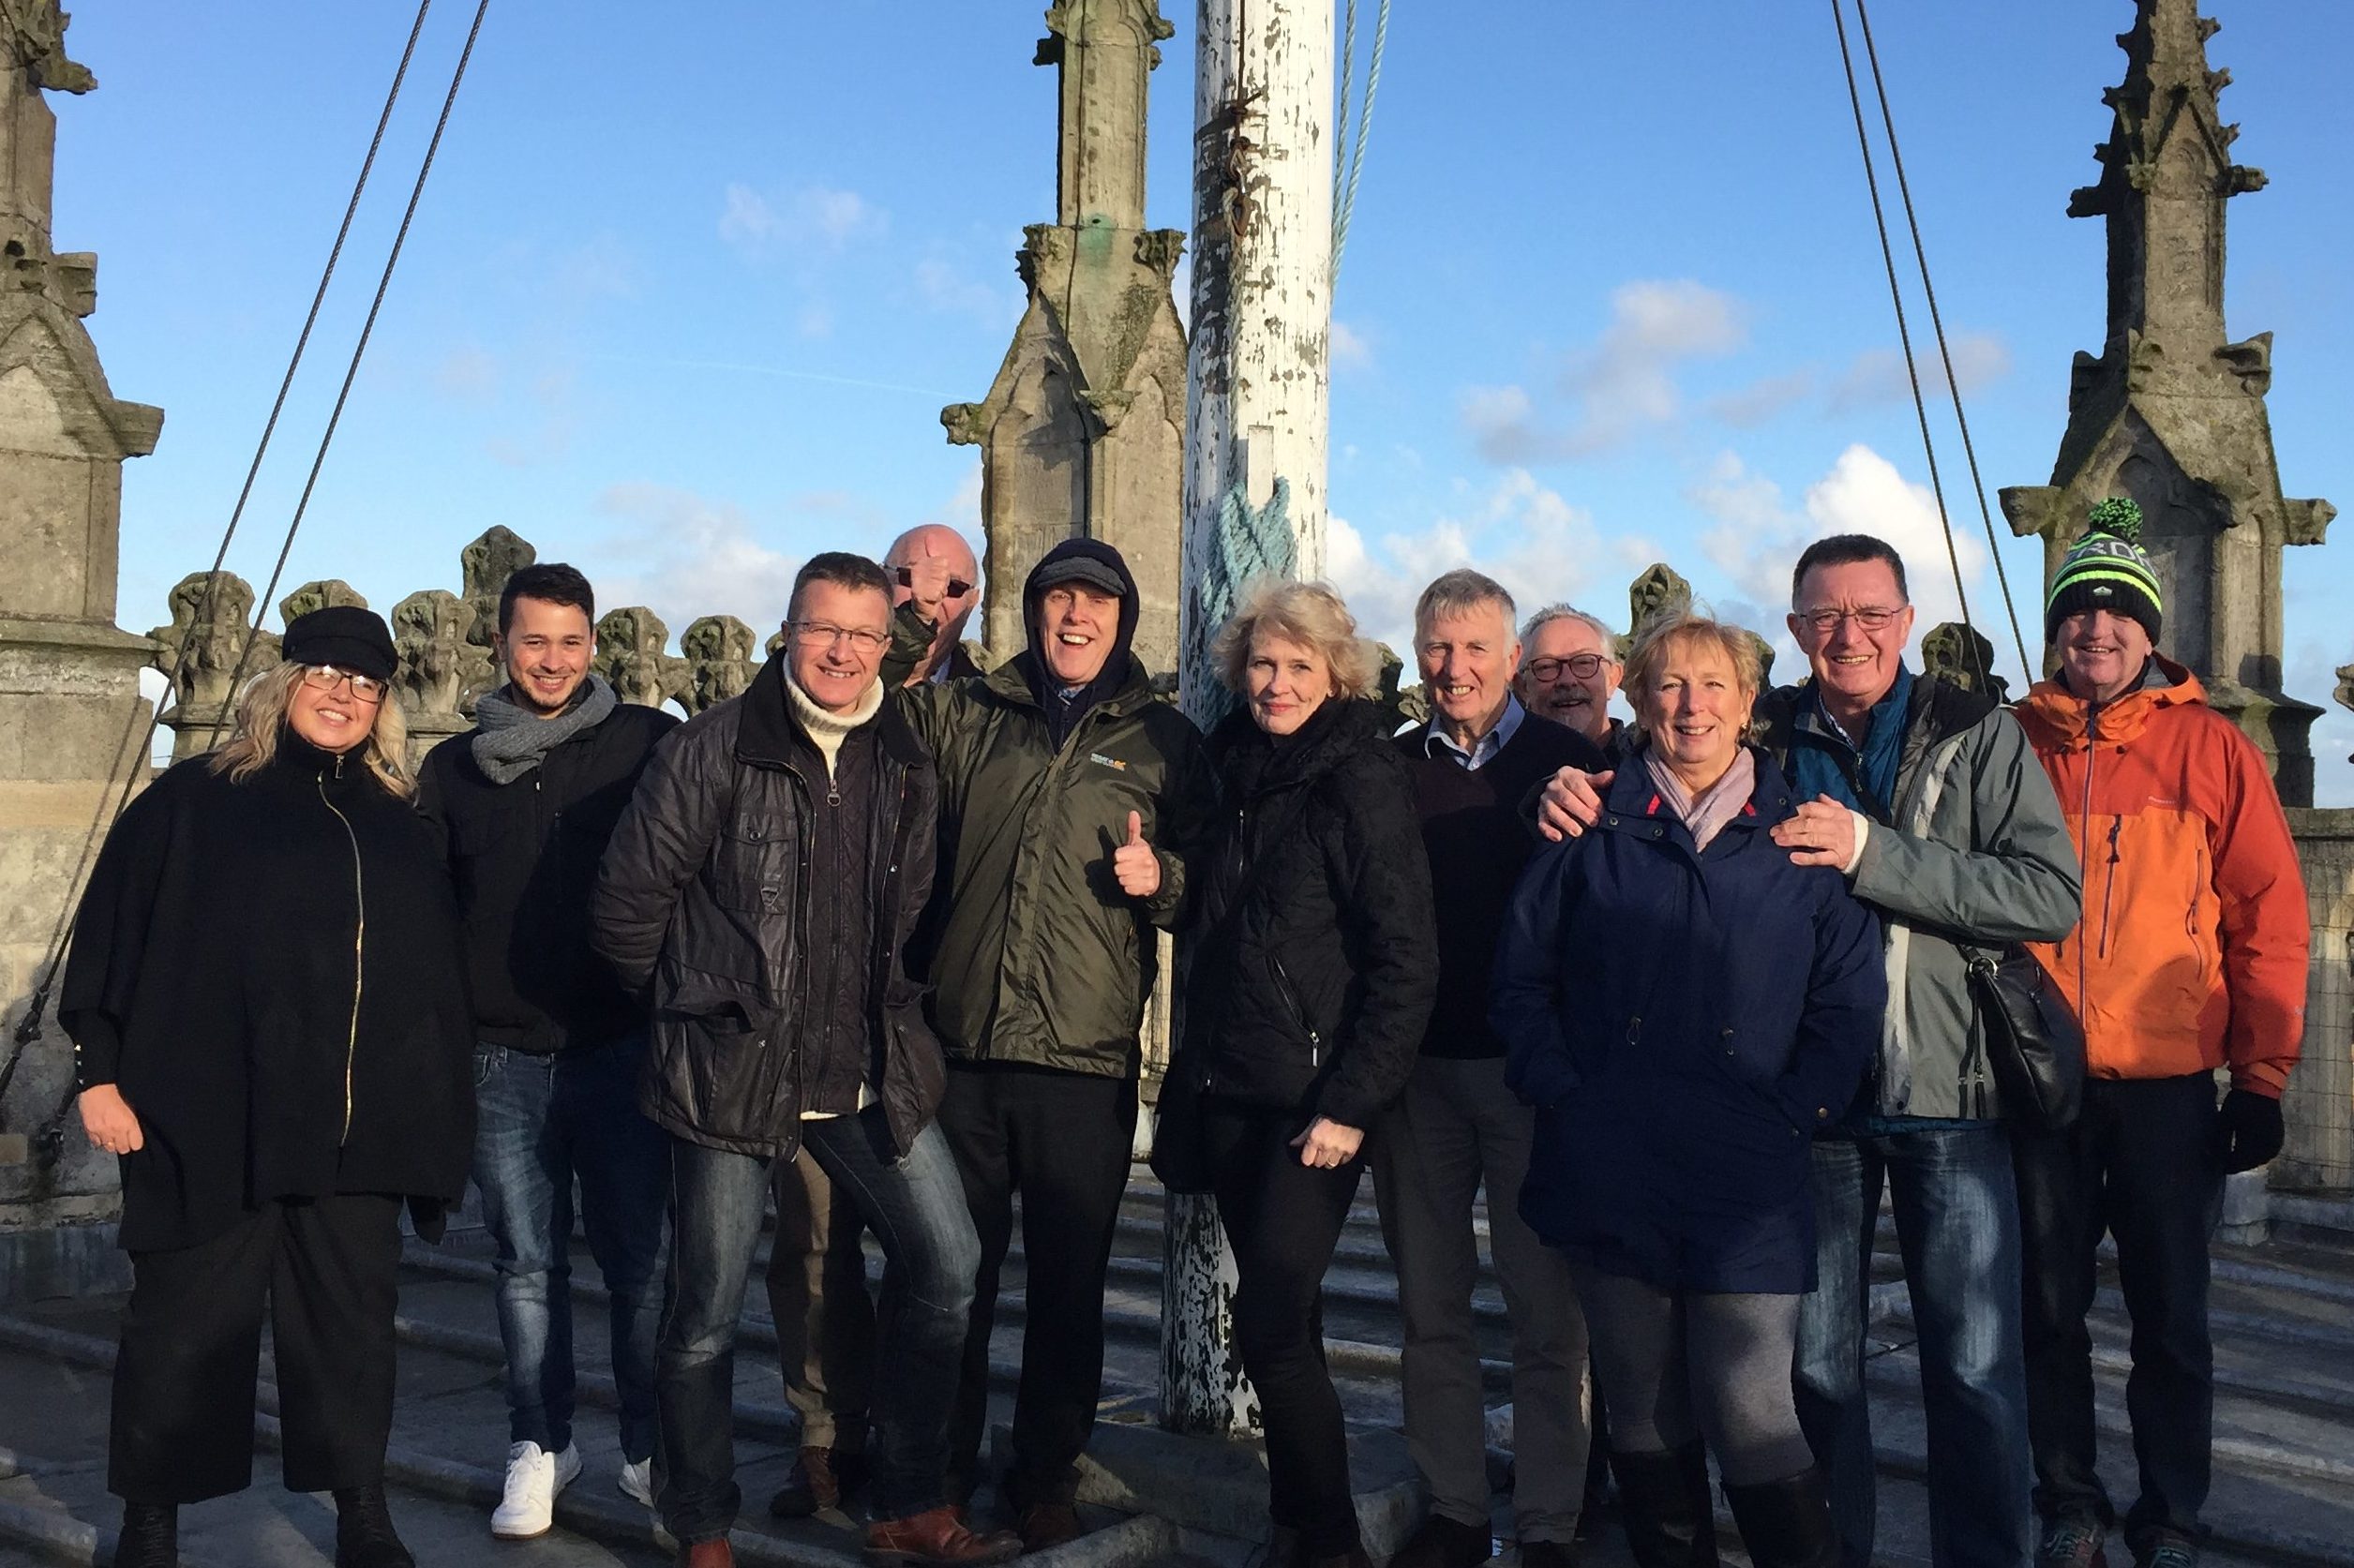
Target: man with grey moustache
(1570,671)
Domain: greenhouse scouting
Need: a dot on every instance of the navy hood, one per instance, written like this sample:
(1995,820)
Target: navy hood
(1063,714)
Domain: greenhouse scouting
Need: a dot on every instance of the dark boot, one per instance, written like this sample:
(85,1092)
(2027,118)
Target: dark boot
(1443,1543)
(150,1536)
(364,1534)
(1664,1507)
(1787,1523)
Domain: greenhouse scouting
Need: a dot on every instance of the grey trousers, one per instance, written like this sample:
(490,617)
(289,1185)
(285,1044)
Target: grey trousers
(817,1295)
(1456,1128)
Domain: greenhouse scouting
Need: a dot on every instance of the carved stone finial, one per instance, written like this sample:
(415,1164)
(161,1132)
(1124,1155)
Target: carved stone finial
(33,33)
(329,592)
(439,666)
(631,654)
(718,651)
(492,559)
(1660,591)
(1961,656)
(211,617)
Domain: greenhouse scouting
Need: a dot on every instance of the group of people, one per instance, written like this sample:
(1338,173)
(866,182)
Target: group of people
(870,947)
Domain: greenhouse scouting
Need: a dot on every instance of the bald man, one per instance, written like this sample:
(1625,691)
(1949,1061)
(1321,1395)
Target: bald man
(931,565)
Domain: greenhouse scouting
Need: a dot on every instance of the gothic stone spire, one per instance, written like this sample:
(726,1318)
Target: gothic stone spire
(2171,412)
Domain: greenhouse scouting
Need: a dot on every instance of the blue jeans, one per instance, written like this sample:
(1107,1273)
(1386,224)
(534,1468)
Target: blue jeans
(915,1205)
(541,1122)
(1957,1226)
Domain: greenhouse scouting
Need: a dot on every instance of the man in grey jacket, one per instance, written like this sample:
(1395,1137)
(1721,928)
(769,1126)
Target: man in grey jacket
(1929,800)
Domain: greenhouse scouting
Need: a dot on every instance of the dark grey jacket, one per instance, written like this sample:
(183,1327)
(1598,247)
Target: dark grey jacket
(703,900)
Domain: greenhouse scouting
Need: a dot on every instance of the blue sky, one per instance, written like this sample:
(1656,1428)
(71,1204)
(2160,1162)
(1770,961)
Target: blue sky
(690,284)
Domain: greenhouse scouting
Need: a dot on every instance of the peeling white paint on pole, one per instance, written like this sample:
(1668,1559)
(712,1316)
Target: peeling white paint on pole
(1257,416)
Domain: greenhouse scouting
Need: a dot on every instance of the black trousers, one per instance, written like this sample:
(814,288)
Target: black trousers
(1060,1140)
(326,1271)
(1284,1220)
(2142,1164)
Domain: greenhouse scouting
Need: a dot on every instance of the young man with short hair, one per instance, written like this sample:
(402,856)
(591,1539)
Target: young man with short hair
(523,805)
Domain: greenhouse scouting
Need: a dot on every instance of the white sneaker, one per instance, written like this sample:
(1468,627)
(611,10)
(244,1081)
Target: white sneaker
(637,1481)
(534,1476)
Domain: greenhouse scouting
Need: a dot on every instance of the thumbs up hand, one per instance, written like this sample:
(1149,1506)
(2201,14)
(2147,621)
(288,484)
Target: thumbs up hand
(1135,863)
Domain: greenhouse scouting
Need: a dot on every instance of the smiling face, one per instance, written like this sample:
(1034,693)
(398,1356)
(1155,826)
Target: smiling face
(1692,707)
(2101,654)
(1467,662)
(836,642)
(1854,663)
(1284,683)
(1077,625)
(333,717)
(545,651)
(1551,685)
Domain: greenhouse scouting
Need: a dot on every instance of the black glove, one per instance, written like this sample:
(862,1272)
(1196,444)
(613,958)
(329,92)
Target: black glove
(2248,1129)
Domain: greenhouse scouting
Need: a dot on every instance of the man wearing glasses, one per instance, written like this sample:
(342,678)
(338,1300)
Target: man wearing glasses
(1569,674)
(1931,802)
(764,884)
(817,1282)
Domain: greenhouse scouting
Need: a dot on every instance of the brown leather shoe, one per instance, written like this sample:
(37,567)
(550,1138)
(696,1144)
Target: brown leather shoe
(708,1554)
(1047,1524)
(936,1535)
(820,1478)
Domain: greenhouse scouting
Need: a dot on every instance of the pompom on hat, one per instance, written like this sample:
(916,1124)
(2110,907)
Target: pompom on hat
(2106,570)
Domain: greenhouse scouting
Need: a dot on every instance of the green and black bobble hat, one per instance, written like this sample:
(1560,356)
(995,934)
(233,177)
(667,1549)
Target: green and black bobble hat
(2106,570)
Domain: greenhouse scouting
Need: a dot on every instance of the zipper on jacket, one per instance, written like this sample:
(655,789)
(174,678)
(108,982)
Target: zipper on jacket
(2109,884)
(1634,1029)
(359,951)
(2084,971)
(1291,1000)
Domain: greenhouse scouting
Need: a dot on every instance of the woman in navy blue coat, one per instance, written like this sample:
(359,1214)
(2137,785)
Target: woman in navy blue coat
(1685,1008)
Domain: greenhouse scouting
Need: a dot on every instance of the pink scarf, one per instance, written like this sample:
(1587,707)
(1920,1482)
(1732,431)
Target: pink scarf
(1707,813)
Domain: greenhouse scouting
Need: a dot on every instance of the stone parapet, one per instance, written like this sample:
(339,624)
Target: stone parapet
(2319,1104)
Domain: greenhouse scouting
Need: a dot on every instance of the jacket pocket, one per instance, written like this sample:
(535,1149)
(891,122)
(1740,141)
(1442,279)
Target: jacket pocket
(752,864)
(1297,1014)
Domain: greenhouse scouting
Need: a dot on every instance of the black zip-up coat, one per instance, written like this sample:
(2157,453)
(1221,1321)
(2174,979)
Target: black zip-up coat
(523,858)
(704,898)
(269,971)
(1314,961)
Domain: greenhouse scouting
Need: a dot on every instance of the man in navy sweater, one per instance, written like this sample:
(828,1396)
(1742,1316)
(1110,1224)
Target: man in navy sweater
(1457,1126)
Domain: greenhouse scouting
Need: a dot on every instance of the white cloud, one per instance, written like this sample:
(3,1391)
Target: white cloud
(1878,375)
(1518,531)
(945,288)
(689,556)
(814,218)
(1349,349)
(1759,538)
(1763,399)
(1624,383)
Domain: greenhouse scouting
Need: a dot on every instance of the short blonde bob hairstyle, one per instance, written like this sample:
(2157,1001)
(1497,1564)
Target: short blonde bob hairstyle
(1310,614)
(262,711)
(1658,639)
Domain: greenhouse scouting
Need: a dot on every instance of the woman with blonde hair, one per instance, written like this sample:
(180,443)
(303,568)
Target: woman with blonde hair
(1312,974)
(1686,1007)
(270,1030)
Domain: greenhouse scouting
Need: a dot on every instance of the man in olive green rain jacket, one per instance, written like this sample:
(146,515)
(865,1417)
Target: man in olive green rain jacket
(1070,797)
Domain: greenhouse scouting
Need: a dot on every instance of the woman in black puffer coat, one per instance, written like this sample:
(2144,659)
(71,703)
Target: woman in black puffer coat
(1312,974)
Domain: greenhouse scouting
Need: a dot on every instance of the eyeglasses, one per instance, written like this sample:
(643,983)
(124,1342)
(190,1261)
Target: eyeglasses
(821,633)
(1872,618)
(957,587)
(1584,665)
(326,678)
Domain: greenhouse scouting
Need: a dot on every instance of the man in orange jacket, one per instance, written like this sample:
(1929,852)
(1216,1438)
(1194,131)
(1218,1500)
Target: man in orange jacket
(2191,958)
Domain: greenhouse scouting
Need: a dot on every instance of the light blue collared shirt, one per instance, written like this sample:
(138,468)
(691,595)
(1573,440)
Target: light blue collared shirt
(1483,750)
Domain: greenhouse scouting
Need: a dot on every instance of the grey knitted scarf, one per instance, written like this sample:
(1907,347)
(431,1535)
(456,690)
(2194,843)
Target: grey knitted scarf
(514,738)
